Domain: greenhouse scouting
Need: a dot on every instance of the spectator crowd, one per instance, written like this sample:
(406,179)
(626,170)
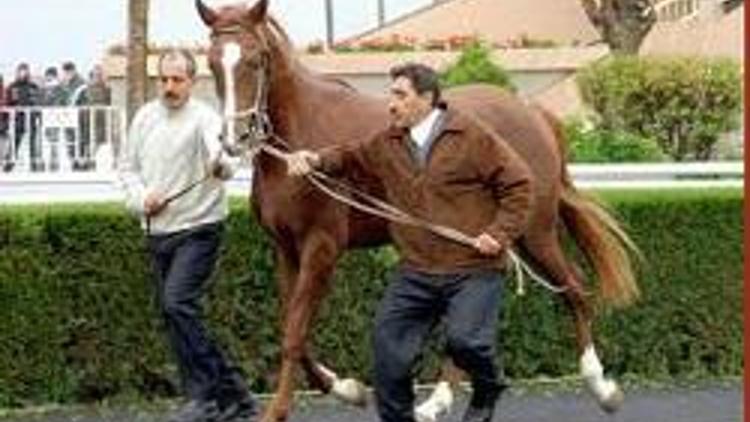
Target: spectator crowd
(26,101)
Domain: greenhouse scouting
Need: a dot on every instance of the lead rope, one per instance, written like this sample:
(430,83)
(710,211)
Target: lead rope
(379,208)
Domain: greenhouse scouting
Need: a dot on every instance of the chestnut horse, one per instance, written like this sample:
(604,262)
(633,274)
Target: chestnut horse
(265,90)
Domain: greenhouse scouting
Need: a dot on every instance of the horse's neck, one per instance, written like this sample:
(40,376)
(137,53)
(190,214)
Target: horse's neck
(310,111)
(292,106)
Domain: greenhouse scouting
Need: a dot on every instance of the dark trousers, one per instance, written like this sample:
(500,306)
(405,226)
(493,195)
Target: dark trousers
(183,263)
(413,304)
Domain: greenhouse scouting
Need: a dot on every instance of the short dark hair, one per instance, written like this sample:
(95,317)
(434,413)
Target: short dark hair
(69,67)
(422,77)
(50,71)
(192,66)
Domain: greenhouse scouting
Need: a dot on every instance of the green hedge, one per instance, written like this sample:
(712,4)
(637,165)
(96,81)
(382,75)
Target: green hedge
(77,323)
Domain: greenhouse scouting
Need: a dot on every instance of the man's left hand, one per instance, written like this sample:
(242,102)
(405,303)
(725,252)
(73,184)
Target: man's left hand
(487,245)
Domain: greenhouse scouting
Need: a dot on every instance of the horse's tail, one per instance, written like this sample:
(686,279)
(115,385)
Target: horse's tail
(596,232)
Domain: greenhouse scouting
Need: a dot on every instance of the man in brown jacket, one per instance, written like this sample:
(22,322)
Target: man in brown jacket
(442,166)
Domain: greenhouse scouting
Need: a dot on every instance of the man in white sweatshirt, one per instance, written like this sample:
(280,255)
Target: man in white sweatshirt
(172,171)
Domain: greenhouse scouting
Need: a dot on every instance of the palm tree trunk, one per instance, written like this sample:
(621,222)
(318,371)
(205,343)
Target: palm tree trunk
(137,55)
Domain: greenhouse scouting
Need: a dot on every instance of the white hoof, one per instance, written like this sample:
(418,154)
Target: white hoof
(613,401)
(350,391)
(439,404)
(607,393)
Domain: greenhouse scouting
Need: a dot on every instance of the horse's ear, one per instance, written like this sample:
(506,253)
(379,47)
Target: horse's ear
(207,14)
(258,12)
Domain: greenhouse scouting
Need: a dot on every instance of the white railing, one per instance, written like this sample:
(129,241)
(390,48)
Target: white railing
(676,10)
(59,139)
(100,186)
(659,175)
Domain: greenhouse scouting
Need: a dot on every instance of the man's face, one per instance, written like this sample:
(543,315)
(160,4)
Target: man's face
(406,107)
(175,82)
(67,75)
(22,73)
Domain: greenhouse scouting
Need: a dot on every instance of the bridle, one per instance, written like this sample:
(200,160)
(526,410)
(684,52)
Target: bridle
(259,127)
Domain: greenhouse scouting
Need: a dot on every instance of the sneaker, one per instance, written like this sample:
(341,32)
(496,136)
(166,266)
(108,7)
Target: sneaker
(196,411)
(245,410)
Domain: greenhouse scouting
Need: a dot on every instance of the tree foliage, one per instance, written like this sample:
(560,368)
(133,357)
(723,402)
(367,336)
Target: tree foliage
(685,104)
(475,65)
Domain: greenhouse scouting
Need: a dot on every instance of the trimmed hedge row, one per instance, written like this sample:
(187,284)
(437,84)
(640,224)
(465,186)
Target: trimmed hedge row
(78,324)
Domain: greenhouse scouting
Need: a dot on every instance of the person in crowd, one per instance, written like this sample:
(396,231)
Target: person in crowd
(23,93)
(78,141)
(53,95)
(174,143)
(98,96)
(4,126)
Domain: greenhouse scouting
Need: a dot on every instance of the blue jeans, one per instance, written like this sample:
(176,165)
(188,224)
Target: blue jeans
(183,263)
(414,302)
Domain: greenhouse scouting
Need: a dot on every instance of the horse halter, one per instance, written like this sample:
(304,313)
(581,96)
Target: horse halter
(259,128)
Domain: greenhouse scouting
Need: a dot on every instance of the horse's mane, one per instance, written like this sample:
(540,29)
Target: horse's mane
(273,29)
(281,40)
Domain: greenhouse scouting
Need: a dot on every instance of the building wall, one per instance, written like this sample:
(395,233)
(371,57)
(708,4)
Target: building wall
(527,83)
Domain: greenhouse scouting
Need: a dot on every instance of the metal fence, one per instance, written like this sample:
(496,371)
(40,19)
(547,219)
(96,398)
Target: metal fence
(59,139)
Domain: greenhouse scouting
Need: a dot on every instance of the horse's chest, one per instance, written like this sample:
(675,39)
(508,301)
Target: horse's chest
(283,202)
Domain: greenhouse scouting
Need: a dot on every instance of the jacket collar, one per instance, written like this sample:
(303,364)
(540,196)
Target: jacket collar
(453,121)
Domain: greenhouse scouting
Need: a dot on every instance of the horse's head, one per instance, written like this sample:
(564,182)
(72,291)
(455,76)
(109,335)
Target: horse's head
(239,58)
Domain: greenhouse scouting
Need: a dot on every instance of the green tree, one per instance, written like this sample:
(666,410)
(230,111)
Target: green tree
(475,65)
(685,104)
(598,145)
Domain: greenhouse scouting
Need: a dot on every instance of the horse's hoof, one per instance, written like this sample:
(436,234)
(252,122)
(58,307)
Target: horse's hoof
(613,402)
(350,391)
(269,418)
(428,414)
(425,417)
(438,404)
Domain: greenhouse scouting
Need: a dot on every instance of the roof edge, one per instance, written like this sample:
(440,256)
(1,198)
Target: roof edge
(397,20)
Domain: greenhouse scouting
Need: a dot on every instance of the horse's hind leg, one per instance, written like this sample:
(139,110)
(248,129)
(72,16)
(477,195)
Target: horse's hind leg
(548,256)
(441,398)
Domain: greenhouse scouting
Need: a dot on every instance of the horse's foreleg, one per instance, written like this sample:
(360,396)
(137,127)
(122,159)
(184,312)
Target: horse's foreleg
(318,256)
(348,390)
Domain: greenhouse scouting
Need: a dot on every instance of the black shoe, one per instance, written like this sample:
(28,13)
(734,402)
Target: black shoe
(245,410)
(479,414)
(196,411)
(482,406)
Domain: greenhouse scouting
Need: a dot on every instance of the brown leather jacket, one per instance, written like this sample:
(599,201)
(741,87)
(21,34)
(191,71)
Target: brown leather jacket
(472,181)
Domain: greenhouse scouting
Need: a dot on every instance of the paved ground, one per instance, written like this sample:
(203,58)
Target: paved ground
(720,403)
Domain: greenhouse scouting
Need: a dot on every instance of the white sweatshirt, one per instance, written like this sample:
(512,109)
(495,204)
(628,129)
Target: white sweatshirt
(165,152)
